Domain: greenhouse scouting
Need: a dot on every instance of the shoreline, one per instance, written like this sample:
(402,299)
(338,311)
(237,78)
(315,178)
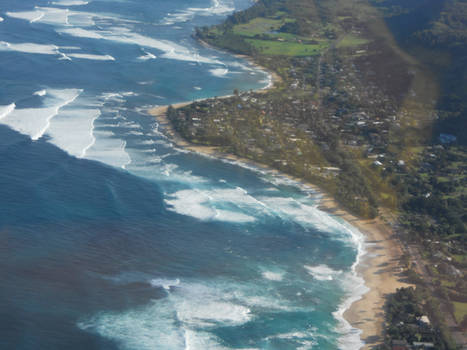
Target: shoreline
(379,254)
(274,78)
(379,266)
(378,261)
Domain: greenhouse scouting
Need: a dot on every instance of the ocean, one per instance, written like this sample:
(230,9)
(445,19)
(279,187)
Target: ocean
(112,237)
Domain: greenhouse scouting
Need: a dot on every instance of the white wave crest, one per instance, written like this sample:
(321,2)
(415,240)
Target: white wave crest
(50,49)
(81,33)
(322,272)
(124,35)
(5,110)
(273,275)
(55,16)
(147,56)
(146,329)
(208,313)
(165,283)
(92,57)
(219,72)
(184,319)
(70,3)
(355,287)
(206,204)
(44,49)
(112,96)
(216,8)
(30,16)
(202,340)
(147,142)
(108,149)
(34,122)
(81,121)
(40,93)
(306,212)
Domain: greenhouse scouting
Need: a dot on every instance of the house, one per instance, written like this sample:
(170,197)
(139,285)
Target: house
(425,319)
(423,345)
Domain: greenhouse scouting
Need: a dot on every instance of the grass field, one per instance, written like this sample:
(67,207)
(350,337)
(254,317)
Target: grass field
(351,41)
(460,310)
(259,26)
(284,48)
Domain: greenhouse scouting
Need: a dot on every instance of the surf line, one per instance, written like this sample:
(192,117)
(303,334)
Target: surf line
(56,110)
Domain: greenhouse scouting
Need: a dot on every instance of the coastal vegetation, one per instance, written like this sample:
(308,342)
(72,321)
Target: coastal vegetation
(407,321)
(371,105)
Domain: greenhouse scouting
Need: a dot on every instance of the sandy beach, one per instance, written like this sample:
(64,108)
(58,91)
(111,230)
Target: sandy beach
(381,269)
(380,266)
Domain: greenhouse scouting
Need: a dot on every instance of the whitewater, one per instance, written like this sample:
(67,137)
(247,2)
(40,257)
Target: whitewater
(112,237)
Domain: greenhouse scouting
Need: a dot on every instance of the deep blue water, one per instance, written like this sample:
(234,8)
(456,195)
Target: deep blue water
(111,238)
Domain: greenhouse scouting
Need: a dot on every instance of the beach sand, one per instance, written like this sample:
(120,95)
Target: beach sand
(380,266)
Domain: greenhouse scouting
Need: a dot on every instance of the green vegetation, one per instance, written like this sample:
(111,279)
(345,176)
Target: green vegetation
(258,26)
(371,107)
(407,320)
(274,48)
(460,310)
(351,41)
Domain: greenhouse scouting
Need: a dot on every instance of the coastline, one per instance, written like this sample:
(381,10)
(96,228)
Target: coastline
(274,78)
(379,266)
(378,263)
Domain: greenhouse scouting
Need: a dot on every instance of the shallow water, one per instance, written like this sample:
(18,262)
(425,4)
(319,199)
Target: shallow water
(114,239)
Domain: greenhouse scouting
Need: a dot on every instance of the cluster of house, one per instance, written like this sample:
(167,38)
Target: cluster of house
(423,327)
(321,101)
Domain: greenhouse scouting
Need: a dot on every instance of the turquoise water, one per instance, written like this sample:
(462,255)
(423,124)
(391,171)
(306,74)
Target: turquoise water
(112,238)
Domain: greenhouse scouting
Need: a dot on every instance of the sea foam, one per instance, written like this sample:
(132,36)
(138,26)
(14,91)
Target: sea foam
(184,319)
(322,272)
(63,18)
(81,33)
(55,16)
(70,3)
(165,283)
(108,149)
(216,8)
(30,16)
(35,121)
(92,57)
(44,49)
(219,72)
(273,275)
(40,93)
(147,56)
(5,110)
(206,204)
(81,121)
(125,35)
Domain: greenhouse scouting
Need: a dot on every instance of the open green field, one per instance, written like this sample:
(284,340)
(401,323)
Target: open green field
(259,26)
(351,41)
(460,310)
(459,258)
(284,48)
